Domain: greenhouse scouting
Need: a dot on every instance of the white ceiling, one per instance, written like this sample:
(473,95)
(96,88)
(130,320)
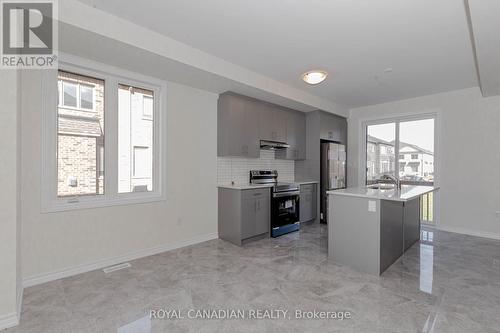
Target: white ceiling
(425,42)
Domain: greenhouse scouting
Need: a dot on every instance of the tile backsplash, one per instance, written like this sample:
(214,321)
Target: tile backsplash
(237,169)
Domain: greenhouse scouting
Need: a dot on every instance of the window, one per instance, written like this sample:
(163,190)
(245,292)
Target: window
(382,159)
(80,140)
(147,107)
(90,161)
(412,139)
(86,97)
(135,139)
(70,91)
(77,92)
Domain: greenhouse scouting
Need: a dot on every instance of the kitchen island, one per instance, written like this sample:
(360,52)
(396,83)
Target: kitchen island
(370,228)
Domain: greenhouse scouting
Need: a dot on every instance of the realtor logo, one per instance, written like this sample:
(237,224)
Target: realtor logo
(28,35)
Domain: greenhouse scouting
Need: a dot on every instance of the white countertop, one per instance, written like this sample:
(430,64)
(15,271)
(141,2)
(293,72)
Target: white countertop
(248,186)
(305,182)
(407,192)
(244,186)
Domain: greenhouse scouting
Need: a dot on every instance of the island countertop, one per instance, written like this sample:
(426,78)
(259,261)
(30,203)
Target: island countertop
(407,192)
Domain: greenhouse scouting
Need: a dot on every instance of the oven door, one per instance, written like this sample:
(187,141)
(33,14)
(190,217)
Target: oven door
(285,208)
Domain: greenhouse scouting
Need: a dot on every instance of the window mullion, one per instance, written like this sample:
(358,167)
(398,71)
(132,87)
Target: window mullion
(111,137)
(396,150)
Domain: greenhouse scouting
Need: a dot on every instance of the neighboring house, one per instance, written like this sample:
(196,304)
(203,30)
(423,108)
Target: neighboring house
(80,152)
(380,157)
(80,135)
(415,163)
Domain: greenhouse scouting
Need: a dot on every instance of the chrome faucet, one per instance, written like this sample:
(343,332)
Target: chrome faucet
(395,180)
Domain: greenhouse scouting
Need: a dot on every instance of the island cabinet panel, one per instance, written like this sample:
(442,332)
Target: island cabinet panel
(308,202)
(411,222)
(391,232)
(243,214)
(354,232)
(237,127)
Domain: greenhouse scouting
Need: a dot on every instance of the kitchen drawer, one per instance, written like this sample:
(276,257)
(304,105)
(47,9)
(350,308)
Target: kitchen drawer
(256,193)
(307,188)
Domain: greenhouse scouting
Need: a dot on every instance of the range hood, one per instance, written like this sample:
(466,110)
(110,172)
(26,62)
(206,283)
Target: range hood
(273,145)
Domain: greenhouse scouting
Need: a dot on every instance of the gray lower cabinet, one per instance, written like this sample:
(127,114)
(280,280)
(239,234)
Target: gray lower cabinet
(243,213)
(308,202)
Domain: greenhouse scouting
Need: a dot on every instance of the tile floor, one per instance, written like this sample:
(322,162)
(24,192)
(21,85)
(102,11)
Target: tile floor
(447,283)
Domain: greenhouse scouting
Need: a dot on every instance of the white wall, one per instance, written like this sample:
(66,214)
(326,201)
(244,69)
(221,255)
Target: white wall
(468,159)
(10,255)
(64,241)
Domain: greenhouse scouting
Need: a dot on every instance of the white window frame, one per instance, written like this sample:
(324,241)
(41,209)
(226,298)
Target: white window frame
(398,118)
(112,76)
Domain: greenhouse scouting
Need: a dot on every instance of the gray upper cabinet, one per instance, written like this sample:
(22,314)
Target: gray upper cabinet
(238,127)
(295,137)
(272,122)
(242,122)
(333,127)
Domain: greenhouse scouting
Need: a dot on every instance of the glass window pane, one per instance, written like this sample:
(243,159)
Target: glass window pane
(80,142)
(70,92)
(87,97)
(135,139)
(380,151)
(148,107)
(416,149)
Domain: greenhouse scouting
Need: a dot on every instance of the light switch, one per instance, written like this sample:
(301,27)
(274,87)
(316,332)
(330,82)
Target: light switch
(372,206)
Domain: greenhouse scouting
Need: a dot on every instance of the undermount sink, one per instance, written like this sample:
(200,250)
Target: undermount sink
(382,186)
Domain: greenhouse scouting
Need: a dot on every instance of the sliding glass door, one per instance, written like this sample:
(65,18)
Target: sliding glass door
(403,148)
(380,151)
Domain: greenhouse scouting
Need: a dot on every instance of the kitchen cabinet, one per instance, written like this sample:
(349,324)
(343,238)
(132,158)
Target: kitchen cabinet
(308,202)
(295,137)
(272,122)
(242,122)
(333,128)
(237,127)
(244,214)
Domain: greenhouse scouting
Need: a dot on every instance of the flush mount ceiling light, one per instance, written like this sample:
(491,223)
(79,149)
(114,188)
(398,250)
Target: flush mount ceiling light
(314,77)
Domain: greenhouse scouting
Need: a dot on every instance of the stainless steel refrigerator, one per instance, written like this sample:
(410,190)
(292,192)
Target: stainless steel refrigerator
(333,173)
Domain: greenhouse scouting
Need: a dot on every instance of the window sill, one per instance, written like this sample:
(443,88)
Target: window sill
(68,204)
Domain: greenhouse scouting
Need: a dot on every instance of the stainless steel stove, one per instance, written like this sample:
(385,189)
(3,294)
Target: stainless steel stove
(284,202)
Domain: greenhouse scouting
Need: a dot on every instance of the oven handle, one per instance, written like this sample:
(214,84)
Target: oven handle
(285,194)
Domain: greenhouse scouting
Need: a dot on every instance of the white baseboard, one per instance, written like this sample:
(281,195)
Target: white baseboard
(469,232)
(70,271)
(9,320)
(20,293)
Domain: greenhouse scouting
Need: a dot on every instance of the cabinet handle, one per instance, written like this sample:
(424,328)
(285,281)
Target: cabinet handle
(255,206)
(258,205)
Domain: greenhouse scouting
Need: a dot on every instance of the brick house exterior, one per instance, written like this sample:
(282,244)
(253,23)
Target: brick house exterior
(80,138)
